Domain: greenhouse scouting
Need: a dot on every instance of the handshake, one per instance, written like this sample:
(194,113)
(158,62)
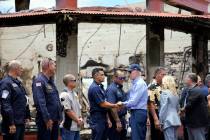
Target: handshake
(119,105)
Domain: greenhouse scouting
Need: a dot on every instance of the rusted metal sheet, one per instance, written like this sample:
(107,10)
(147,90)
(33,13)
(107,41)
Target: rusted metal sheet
(69,4)
(100,13)
(155,5)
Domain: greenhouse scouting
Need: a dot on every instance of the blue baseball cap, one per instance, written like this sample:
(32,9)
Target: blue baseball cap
(134,67)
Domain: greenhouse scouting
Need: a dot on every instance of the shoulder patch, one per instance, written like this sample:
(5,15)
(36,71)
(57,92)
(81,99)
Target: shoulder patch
(39,84)
(5,93)
(14,85)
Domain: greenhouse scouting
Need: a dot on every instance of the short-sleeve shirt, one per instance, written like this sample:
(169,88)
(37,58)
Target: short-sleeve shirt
(154,91)
(70,101)
(96,95)
(114,94)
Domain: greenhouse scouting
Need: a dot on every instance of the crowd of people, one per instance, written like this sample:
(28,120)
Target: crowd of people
(158,104)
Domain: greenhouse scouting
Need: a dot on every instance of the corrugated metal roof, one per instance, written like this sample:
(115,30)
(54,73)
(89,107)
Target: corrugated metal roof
(99,11)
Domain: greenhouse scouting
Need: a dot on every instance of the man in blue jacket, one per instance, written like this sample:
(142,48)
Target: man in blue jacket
(47,102)
(14,105)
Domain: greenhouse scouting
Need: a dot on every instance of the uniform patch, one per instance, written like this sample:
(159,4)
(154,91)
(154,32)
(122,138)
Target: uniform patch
(38,84)
(5,93)
(49,87)
(14,85)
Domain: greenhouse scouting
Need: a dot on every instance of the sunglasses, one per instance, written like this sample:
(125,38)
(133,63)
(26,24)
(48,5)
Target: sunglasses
(73,80)
(130,72)
(121,78)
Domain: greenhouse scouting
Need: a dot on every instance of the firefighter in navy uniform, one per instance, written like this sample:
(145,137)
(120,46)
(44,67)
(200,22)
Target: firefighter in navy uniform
(47,102)
(154,91)
(14,105)
(99,120)
(115,94)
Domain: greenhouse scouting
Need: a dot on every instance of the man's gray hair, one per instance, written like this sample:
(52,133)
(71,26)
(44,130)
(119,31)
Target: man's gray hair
(13,65)
(207,79)
(46,62)
(67,78)
(193,77)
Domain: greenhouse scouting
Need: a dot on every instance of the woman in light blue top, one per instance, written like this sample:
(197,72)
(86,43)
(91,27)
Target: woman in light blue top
(169,105)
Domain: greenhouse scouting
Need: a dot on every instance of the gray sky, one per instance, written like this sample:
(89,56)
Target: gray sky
(9,4)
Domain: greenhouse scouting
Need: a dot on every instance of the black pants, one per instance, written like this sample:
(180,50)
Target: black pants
(113,134)
(46,134)
(185,136)
(156,134)
(19,135)
(208,133)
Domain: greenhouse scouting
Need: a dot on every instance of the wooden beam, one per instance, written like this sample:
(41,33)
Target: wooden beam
(191,5)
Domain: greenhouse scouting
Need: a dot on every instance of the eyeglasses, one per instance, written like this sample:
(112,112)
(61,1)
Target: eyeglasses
(121,78)
(73,80)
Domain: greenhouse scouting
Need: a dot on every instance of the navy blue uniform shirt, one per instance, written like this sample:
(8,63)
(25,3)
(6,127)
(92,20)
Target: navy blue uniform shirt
(14,107)
(96,95)
(46,99)
(115,94)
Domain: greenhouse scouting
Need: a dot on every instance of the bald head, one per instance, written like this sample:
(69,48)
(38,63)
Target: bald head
(14,68)
(69,81)
(119,77)
(14,65)
(67,78)
(119,73)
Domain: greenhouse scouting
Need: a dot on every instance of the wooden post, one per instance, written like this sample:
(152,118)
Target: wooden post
(200,55)
(154,41)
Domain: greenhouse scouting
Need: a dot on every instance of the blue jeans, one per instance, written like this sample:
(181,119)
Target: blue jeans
(138,123)
(69,135)
(170,133)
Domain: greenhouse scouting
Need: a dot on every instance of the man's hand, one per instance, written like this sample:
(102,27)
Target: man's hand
(80,122)
(49,124)
(118,126)
(148,121)
(109,124)
(120,104)
(182,112)
(157,124)
(208,98)
(27,122)
(12,129)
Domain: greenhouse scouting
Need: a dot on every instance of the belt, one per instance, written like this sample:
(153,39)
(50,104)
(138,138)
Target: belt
(132,110)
